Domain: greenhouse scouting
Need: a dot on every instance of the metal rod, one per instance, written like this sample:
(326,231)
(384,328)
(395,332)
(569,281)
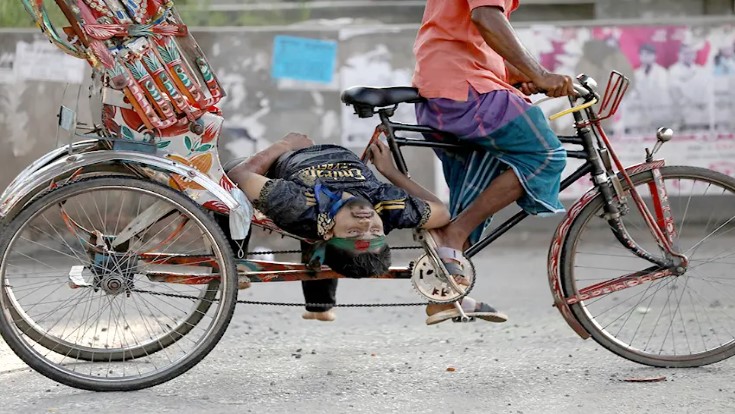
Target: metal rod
(570,140)
(496,233)
(580,172)
(582,155)
(395,149)
(406,142)
(416,128)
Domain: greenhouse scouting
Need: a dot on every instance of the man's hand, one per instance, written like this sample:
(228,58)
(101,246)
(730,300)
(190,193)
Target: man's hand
(380,155)
(551,84)
(528,88)
(296,141)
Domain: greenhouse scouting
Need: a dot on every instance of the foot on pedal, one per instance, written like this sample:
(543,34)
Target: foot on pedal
(438,313)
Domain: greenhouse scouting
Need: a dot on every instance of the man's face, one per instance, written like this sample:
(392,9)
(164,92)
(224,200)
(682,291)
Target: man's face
(647,57)
(357,220)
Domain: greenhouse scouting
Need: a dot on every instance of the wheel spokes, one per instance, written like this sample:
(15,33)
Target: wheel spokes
(674,317)
(88,307)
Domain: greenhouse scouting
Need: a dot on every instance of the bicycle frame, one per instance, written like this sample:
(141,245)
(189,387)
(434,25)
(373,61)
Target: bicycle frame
(596,164)
(662,227)
(396,143)
(158,121)
(389,128)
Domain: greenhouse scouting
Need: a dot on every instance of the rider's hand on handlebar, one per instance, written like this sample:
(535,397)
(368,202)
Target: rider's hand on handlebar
(528,88)
(552,85)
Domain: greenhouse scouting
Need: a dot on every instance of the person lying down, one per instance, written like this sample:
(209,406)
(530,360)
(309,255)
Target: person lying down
(325,192)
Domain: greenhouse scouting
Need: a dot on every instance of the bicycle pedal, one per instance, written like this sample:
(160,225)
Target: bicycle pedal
(459,319)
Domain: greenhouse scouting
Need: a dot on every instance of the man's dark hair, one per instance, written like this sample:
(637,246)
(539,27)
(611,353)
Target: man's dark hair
(357,265)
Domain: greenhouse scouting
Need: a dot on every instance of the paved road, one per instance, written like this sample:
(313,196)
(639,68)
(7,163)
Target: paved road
(385,360)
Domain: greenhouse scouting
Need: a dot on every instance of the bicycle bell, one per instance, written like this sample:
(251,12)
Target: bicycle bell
(663,135)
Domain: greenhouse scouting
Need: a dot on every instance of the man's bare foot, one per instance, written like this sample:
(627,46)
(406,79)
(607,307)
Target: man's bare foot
(326,316)
(447,237)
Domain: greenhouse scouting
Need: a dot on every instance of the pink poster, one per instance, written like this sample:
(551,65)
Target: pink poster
(682,77)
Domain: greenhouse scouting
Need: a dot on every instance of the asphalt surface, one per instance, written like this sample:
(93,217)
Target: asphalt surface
(385,360)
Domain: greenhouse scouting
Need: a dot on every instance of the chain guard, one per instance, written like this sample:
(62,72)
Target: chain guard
(431,285)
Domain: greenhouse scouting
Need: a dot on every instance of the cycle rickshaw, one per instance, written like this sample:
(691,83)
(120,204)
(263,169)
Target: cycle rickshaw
(118,270)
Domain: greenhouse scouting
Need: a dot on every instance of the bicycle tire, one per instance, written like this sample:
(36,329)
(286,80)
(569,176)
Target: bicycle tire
(105,170)
(227,285)
(601,331)
(66,348)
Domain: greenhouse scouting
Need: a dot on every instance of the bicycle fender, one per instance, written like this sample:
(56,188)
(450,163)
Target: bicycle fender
(556,250)
(40,176)
(20,180)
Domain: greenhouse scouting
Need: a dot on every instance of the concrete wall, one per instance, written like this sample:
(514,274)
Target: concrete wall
(257,106)
(27,113)
(263,109)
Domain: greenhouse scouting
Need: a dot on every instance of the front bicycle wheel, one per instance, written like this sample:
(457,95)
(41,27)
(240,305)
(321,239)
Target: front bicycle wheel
(673,321)
(114,284)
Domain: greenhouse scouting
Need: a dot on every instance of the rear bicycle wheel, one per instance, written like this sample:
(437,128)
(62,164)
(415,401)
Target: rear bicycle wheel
(674,321)
(94,314)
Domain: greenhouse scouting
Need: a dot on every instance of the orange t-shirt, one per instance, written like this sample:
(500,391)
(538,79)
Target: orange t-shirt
(451,55)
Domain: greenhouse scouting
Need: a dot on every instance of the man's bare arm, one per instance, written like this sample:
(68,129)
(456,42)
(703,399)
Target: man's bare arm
(439,213)
(261,162)
(514,75)
(250,174)
(495,28)
(412,187)
(379,154)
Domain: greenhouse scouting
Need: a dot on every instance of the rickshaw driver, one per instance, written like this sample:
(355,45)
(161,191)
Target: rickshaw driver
(468,59)
(325,192)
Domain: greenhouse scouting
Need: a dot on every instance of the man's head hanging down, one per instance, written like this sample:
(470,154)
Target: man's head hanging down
(354,240)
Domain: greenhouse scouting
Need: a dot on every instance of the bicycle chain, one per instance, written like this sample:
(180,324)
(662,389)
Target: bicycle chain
(310,305)
(264,252)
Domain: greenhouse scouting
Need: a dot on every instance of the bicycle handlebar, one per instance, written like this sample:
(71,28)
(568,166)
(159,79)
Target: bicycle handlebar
(582,91)
(585,91)
(573,109)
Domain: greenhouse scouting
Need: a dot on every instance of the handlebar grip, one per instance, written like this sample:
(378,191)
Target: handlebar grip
(581,90)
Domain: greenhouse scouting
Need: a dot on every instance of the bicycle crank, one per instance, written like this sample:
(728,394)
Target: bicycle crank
(432,285)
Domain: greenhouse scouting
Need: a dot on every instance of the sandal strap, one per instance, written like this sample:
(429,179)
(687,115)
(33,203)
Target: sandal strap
(485,308)
(469,304)
(451,260)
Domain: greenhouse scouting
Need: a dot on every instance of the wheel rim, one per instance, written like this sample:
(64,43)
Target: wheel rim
(678,318)
(105,334)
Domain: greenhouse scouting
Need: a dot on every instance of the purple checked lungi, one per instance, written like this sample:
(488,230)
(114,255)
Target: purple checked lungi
(512,134)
